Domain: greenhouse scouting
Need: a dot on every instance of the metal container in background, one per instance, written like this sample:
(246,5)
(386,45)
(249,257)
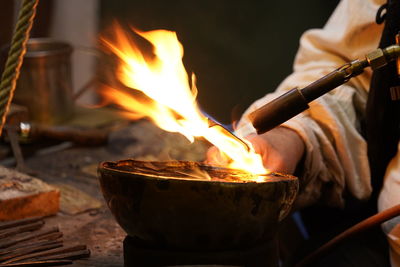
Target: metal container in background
(45,82)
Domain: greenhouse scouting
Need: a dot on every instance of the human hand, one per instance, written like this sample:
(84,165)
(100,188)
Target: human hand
(281,150)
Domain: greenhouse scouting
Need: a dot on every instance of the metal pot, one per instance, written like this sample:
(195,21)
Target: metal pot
(163,208)
(45,82)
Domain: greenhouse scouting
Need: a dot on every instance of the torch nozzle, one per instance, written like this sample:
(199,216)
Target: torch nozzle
(213,123)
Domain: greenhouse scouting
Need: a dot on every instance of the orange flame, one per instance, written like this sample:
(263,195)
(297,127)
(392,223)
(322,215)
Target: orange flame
(172,102)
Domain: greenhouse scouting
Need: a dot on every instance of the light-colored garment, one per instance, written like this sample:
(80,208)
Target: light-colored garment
(390,196)
(336,153)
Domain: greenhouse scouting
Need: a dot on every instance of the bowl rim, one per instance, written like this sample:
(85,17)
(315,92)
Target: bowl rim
(275,177)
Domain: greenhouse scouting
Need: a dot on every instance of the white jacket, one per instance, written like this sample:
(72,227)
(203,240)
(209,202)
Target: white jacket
(336,153)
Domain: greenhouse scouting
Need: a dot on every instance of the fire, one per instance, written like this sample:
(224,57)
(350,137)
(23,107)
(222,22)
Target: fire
(171,94)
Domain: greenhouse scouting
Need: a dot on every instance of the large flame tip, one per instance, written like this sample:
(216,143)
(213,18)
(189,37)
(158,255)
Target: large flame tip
(172,105)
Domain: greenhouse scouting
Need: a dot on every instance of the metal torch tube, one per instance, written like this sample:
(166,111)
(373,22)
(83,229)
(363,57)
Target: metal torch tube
(333,79)
(296,101)
(278,111)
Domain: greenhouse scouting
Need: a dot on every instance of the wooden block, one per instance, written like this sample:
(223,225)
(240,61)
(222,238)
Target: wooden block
(23,196)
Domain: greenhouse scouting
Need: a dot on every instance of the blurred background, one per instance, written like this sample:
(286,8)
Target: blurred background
(239,50)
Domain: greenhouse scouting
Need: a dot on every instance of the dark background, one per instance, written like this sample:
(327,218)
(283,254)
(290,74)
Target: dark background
(239,50)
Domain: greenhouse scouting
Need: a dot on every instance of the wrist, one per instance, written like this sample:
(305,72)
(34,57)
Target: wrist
(296,141)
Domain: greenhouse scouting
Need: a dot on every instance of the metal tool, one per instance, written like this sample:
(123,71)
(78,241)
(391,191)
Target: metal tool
(16,149)
(87,137)
(296,100)
(213,123)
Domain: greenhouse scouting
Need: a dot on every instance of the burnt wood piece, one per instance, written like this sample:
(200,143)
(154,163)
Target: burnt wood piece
(38,263)
(24,245)
(72,255)
(56,253)
(32,249)
(51,236)
(10,224)
(21,229)
(45,234)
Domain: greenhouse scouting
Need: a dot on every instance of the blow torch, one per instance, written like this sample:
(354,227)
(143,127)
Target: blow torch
(296,100)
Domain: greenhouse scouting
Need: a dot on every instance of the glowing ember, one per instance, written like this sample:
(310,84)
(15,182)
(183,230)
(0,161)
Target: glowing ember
(172,97)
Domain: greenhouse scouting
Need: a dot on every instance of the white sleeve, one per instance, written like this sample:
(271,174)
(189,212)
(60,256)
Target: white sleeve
(336,153)
(389,197)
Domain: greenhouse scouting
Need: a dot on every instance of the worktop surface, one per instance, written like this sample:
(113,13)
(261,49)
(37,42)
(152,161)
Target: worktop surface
(76,168)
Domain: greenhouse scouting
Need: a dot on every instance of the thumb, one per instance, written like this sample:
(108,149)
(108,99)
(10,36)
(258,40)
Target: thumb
(215,157)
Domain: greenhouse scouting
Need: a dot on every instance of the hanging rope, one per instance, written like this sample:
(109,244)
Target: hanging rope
(15,56)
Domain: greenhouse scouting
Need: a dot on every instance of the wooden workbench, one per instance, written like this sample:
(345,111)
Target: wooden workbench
(76,167)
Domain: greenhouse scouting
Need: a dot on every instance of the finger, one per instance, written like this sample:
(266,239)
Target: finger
(215,157)
(258,143)
(211,154)
(271,159)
